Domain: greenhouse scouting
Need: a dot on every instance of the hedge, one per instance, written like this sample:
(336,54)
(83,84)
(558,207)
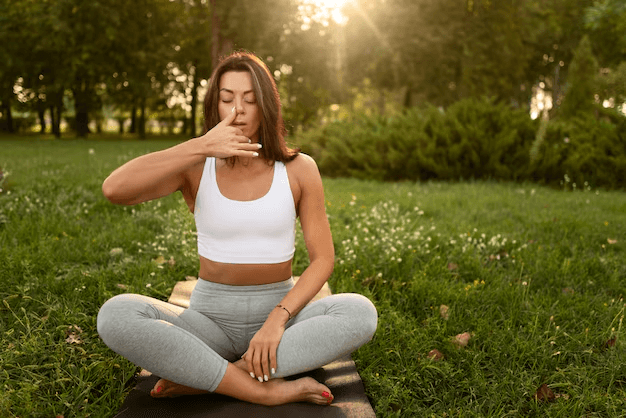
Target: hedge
(472,139)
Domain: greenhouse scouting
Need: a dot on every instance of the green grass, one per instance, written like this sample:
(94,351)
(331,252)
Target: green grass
(528,271)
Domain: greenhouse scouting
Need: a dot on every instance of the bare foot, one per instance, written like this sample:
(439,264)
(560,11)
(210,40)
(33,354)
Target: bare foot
(305,389)
(168,389)
(281,391)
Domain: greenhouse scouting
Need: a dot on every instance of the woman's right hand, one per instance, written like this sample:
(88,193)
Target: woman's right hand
(225,140)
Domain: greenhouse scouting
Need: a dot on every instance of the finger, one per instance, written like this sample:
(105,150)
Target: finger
(248,359)
(229,118)
(240,137)
(248,147)
(234,132)
(249,154)
(244,153)
(265,365)
(258,370)
(273,360)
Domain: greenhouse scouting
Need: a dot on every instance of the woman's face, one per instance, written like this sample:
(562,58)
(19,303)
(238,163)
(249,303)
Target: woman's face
(236,91)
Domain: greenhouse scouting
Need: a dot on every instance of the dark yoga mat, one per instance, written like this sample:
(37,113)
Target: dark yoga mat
(340,376)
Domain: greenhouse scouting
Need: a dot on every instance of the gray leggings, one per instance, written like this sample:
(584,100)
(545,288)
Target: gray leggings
(193,346)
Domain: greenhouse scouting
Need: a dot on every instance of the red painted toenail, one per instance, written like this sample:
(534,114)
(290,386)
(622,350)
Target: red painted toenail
(159,389)
(325,394)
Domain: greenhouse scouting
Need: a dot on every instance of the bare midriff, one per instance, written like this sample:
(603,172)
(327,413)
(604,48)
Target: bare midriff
(243,274)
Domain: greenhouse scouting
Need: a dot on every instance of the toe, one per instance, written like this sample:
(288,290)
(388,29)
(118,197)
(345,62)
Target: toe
(157,391)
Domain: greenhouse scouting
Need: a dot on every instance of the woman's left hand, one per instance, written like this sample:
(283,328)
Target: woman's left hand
(261,354)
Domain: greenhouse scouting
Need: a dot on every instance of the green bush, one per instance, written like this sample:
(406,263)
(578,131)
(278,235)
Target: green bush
(484,140)
(472,139)
(583,151)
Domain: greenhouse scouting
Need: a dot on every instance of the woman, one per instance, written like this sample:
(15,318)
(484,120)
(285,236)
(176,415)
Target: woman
(248,325)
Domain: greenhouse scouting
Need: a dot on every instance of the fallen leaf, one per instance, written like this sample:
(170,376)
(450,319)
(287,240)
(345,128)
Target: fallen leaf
(568,291)
(612,241)
(73,339)
(435,355)
(159,260)
(610,343)
(122,286)
(115,252)
(171,262)
(443,311)
(189,278)
(544,393)
(452,266)
(73,335)
(461,340)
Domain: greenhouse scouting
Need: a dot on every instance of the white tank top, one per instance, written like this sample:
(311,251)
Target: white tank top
(260,231)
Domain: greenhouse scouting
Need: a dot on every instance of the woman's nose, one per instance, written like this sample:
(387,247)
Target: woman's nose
(239,108)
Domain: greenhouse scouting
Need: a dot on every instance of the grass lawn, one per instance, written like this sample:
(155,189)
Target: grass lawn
(535,276)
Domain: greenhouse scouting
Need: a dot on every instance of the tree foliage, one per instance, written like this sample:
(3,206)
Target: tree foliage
(149,57)
(579,98)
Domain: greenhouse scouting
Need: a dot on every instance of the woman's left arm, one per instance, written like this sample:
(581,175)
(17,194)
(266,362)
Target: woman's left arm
(261,354)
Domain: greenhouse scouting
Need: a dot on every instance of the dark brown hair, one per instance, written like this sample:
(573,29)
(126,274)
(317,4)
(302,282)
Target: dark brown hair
(271,128)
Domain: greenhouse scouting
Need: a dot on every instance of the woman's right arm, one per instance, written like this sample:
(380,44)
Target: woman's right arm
(161,173)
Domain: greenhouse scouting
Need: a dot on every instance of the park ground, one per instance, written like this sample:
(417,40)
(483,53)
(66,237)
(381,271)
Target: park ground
(514,285)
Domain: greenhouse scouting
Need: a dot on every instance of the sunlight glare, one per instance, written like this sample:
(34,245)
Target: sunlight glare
(324,10)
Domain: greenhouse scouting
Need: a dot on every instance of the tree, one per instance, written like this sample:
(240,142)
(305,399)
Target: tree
(12,61)
(440,50)
(581,85)
(606,21)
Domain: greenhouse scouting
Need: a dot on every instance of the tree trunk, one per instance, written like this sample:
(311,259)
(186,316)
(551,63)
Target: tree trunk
(120,121)
(194,104)
(408,98)
(81,121)
(56,110)
(142,120)
(219,45)
(8,118)
(41,111)
(215,34)
(133,120)
(55,120)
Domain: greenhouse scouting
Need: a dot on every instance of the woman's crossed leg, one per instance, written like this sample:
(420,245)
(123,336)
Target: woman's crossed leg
(191,352)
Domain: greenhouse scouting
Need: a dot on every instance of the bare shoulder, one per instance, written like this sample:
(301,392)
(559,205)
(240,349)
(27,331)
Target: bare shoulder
(304,169)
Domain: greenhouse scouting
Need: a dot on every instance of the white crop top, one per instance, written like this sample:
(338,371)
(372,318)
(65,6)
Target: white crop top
(260,231)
